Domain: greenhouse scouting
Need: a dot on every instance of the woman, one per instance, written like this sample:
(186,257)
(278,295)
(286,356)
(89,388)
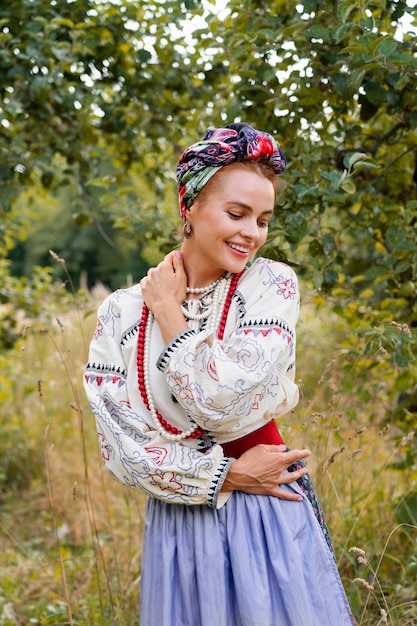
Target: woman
(188,372)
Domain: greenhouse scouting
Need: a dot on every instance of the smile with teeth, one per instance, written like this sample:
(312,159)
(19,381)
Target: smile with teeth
(235,246)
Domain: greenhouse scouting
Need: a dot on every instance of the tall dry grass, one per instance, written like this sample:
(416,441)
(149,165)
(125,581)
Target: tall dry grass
(70,536)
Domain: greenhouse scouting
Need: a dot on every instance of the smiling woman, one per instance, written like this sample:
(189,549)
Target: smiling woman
(229,223)
(188,373)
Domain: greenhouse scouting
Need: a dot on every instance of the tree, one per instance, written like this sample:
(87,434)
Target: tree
(338,87)
(78,84)
(336,82)
(100,98)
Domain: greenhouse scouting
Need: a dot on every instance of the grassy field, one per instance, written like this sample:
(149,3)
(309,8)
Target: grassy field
(70,536)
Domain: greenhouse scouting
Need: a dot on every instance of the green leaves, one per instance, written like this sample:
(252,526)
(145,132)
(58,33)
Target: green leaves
(99,100)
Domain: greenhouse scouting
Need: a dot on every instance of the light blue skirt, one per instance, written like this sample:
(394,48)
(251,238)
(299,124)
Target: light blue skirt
(257,561)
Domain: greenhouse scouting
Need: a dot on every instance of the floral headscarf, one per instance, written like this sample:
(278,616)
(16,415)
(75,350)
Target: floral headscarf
(220,147)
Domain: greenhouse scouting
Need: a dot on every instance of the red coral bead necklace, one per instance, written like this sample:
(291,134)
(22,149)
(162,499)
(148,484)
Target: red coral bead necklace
(222,299)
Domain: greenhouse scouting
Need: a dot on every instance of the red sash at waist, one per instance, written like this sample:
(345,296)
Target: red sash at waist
(266,434)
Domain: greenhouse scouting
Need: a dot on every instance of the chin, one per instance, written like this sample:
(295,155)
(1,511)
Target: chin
(237,266)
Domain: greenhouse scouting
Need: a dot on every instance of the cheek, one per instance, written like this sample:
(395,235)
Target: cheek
(261,240)
(263,235)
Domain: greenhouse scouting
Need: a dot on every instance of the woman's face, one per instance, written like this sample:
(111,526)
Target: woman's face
(229,221)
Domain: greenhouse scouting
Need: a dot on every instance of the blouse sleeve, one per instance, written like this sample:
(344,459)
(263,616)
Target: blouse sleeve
(248,376)
(131,450)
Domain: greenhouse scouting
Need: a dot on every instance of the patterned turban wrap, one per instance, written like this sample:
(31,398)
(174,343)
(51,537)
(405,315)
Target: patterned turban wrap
(220,147)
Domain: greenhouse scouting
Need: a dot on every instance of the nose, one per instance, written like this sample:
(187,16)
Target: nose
(250,229)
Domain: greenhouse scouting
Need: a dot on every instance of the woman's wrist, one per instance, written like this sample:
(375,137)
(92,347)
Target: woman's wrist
(217,483)
(170,319)
(233,480)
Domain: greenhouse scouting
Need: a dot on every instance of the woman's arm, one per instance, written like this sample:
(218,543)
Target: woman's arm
(135,455)
(164,289)
(171,472)
(262,469)
(132,450)
(230,384)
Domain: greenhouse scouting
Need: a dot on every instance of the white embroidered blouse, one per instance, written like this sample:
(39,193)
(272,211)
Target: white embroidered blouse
(229,387)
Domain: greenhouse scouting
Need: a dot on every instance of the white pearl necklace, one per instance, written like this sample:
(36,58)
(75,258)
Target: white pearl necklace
(219,290)
(206,289)
(219,297)
(191,312)
(146,380)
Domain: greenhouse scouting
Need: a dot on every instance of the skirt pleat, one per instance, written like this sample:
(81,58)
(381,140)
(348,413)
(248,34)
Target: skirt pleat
(257,561)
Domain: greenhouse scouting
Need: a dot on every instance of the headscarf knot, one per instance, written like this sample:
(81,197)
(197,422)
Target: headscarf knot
(220,147)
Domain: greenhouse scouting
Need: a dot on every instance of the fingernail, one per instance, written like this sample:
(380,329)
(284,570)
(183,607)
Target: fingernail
(178,254)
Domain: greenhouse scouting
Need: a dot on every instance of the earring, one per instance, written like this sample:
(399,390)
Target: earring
(187,230)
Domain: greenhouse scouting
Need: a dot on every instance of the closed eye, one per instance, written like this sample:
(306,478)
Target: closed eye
(263,223)
(237,216)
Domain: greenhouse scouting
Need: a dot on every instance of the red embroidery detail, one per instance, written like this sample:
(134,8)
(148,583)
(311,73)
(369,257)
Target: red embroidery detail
(141,346)
(166,480)
(157,454)
(185,392)
(286,335)
(211,369)
(287,288)
(258,398)
(105,451)
(99,330)
(99,380)
(115,379)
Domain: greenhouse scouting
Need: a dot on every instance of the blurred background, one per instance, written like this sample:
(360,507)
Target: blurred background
(98,98)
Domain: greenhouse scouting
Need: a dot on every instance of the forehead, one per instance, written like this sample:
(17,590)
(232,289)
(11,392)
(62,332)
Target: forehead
(235,186)
(241,175)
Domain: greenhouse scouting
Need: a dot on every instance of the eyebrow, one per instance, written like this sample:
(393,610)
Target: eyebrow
(247,207)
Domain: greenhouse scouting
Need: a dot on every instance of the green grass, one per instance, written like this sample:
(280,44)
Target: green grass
(70,536)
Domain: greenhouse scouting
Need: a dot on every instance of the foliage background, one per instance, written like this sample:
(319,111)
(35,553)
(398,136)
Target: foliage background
(98,99)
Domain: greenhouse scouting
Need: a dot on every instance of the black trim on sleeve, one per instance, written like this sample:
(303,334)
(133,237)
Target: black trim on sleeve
(108,368)
(166,354)
(217,482)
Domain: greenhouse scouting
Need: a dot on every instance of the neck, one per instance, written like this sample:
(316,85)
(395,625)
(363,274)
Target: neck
(198,275)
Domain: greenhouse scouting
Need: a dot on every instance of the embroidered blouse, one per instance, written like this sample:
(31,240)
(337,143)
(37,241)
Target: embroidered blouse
(229,387)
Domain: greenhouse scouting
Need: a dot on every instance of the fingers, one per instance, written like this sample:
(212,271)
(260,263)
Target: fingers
(302,453)
(162,276)
(294,455)
(173,262)
(289,477)
(287,495)
(263,469)
(177,261)
(288,456)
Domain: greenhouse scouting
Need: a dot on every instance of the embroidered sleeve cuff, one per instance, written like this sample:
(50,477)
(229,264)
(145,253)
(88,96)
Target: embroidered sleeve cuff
(164,357)
(217,482)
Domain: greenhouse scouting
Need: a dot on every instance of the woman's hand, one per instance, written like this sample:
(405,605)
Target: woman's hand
(165,283)
(262,469)
(164,289)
